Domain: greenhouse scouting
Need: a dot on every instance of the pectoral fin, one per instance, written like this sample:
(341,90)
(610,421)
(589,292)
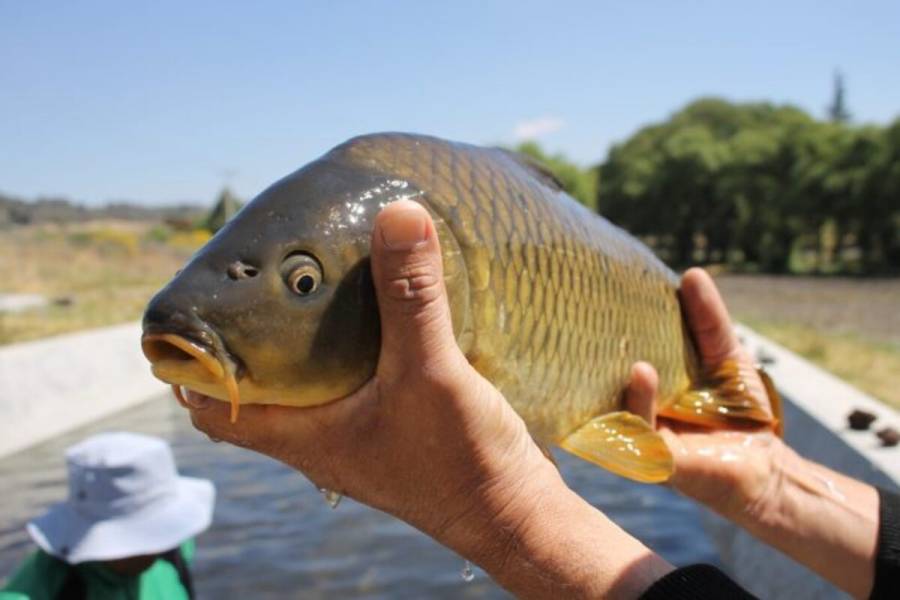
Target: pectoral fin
(722,400)
(625,444)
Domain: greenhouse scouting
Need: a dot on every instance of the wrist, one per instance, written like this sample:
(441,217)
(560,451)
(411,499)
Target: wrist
(760,492)
(547,542)
(821,518)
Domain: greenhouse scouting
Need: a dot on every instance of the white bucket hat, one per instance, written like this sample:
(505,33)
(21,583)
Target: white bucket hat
(125,499)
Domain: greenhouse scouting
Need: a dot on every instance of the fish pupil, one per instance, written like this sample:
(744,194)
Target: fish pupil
(306,284)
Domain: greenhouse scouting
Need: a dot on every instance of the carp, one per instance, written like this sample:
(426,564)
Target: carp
(550,302)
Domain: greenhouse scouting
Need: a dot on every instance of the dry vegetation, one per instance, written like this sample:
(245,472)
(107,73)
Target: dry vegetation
(848,326)
(96,273)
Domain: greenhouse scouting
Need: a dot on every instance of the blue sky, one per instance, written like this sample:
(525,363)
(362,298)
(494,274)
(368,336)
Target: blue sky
(164,101)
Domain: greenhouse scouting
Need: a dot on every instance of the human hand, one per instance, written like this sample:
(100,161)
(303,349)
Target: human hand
(729,471)
(431,441)
(821,518)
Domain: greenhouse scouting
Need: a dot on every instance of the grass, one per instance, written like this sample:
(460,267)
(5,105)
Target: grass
(873,367)
(95,274)
(849,326)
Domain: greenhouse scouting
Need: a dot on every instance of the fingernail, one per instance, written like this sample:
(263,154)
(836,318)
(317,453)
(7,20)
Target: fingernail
(404,229)
(196,401)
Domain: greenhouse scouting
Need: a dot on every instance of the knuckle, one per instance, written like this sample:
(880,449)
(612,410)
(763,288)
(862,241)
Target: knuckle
(202,424)
(415,289)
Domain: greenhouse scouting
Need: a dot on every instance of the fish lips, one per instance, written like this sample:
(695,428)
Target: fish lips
(181,359)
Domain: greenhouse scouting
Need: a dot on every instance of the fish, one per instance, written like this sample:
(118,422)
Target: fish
(550,302)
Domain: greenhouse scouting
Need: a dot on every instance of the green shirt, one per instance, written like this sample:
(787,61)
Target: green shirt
(41,577)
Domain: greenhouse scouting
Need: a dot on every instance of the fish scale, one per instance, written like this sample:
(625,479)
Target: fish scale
(573,293)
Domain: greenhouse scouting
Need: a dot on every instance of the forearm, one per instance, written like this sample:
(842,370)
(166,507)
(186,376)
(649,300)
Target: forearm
(821,518)
(550,543)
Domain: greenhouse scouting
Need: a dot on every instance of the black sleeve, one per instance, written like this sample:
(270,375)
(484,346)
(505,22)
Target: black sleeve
(887,559)
(696,582)
(705,582)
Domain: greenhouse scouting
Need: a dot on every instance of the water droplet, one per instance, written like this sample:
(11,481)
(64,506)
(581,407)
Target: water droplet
(331,497)
(467,573)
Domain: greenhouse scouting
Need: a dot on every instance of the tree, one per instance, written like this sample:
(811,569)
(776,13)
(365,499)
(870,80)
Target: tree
(837,110)
(716,173)
(226,206)
(580,183)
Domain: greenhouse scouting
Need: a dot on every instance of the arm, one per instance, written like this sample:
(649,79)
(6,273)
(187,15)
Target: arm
(821,518)
(433,443)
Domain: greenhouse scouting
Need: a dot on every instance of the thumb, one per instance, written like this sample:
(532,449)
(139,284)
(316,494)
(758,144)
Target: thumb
(640,395)
(707,318)
(409,282)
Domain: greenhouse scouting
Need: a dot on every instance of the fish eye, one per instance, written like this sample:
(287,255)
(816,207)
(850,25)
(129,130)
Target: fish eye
(302,274)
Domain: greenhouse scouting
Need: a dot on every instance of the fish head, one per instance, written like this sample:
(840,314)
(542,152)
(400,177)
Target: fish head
(280,301)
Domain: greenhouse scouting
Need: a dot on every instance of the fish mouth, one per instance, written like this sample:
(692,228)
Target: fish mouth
(181,361)
(173,353)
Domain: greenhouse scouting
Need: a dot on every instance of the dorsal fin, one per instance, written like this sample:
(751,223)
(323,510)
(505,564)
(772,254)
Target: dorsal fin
(535,167)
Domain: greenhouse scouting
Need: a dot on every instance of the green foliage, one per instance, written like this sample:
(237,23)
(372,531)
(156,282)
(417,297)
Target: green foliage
(754,184)
(158,234)
(579,182)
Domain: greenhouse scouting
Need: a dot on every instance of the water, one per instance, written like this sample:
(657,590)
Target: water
(467,573)
(274,537)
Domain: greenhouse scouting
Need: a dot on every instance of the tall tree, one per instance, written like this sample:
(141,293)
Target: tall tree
(837,110)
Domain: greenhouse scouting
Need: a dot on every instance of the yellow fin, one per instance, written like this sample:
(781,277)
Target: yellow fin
(722,400)
(774,400)
(625,444)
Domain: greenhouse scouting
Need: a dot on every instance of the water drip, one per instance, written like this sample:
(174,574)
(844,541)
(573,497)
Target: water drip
(331,497)
(467,573)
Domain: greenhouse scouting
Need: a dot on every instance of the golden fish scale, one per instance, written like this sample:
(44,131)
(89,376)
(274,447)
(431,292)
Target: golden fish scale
(562,303)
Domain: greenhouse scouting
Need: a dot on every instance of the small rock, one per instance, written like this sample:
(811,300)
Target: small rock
(889,436)
(860,419)
(64,300)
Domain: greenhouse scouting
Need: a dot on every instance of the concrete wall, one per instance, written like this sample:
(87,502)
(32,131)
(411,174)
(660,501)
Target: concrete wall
(53,385)
(816,409)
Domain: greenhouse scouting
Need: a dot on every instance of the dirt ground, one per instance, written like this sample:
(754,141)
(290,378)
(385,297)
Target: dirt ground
(868,308)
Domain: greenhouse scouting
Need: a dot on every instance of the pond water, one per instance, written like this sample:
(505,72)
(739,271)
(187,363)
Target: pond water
(274,536)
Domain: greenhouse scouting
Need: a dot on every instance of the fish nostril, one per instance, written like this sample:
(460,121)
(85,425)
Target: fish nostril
(239,270)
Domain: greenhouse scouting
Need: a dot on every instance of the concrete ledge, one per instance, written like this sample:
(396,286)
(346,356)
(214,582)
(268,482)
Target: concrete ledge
(53,385)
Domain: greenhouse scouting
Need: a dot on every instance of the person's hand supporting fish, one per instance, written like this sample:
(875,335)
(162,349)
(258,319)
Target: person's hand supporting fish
(823,519)
(429,440)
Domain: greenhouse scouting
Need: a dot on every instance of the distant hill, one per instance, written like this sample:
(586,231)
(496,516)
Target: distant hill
(16,211)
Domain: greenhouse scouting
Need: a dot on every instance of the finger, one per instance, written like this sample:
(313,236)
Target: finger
(406,265)
(213,417)
(707,318)
(640,395)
